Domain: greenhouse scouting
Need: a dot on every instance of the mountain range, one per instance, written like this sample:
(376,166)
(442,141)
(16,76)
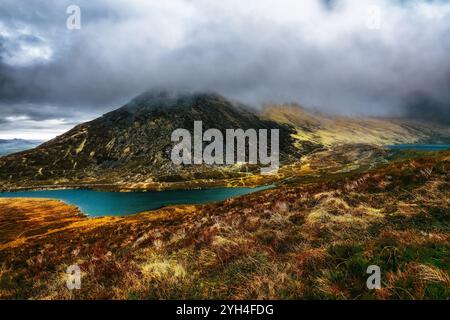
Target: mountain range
(9,146)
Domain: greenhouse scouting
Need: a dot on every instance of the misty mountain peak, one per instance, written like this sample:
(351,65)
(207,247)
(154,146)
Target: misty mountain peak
(171,99)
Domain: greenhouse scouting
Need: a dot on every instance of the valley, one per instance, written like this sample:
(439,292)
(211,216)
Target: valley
(302,240)
(224,158)
(343,199)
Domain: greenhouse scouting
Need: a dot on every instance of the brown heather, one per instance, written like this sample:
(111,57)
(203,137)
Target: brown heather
(310,239)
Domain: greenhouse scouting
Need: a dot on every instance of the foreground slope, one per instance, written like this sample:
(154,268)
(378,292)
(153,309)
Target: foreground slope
(303,240)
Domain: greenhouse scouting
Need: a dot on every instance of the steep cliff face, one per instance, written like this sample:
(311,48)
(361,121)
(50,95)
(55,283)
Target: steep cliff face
(133,144)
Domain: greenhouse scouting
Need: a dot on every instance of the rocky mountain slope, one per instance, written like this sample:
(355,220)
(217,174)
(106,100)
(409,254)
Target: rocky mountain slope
(129,148)
(133,144)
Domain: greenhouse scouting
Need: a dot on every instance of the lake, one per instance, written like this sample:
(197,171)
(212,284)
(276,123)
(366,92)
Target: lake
(99,203)
(420,147)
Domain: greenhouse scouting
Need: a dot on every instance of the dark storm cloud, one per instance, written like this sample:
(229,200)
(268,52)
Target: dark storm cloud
(319,53)
(329,4)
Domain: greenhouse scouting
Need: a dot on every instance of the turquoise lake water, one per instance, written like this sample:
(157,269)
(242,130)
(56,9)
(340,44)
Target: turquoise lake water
(420,147)
(98,203)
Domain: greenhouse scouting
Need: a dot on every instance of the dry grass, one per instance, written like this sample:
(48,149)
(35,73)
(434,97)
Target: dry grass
(302,241)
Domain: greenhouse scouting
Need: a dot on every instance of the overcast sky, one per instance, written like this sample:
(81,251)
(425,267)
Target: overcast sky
(347,56)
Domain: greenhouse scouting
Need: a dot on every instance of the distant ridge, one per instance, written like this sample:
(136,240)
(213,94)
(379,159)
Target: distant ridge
(9,146)
(421,107)
(331,130)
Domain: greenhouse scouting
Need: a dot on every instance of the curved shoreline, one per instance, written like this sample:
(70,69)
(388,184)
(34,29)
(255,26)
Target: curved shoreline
(97,203)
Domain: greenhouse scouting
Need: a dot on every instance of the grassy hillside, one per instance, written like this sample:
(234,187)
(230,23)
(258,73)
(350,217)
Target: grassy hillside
(328,130)
(307,239)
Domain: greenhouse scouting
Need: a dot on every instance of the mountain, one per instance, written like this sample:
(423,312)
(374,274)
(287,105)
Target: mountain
(331,130)
(9,146)
(133,144)
(129,148)
(420,106)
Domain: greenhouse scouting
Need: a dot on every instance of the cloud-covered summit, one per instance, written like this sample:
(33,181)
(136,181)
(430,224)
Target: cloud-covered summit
(342,56)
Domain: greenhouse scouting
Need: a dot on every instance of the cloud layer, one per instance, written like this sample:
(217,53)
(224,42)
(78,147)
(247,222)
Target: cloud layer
(341,56)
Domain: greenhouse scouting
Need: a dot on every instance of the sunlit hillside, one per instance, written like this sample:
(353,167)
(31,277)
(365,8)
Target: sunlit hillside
(302,240)
(328,130)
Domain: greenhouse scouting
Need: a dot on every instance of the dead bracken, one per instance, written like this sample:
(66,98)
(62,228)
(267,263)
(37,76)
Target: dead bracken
(302,240)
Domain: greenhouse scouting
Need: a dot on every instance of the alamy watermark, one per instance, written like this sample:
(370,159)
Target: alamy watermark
(373,18)
(250,146)
(73,21)
(374,280)
(73,280)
